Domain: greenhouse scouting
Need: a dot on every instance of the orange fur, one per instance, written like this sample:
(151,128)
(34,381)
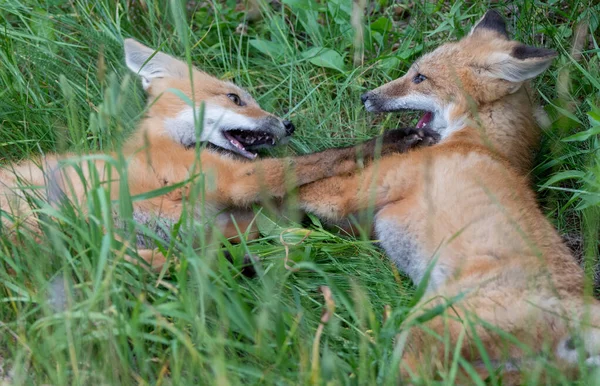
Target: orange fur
(158,154)
(465,205)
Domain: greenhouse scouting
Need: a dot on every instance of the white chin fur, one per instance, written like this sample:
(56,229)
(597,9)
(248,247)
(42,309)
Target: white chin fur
(441,122)
(438,123)
(422,103)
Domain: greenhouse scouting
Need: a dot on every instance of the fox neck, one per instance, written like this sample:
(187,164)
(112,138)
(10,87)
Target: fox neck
(507,126)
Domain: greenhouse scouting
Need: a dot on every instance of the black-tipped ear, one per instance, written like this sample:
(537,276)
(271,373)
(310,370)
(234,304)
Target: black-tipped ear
(493,21)
(522,63)
(524,52)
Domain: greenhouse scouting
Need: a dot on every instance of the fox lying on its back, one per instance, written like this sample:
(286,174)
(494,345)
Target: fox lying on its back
(465,207)
(162,152)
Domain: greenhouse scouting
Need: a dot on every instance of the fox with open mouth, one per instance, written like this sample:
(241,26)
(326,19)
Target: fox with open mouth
(461,220)
(186,106)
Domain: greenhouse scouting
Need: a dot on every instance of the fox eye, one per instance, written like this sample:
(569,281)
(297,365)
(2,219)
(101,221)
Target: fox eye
(419,78)
(235,98)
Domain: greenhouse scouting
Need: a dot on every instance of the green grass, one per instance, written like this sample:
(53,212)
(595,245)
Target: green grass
(72,312)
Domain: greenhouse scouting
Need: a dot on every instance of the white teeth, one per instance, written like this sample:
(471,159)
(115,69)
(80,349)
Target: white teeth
(237,144)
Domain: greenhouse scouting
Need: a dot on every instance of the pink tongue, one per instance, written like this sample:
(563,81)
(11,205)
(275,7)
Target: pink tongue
(239,146)
(425,119)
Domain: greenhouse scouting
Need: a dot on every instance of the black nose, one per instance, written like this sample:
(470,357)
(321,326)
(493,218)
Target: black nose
(289,127)
(364,97)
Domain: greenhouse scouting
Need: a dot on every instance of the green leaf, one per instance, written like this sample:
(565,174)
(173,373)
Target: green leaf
(389,63)
(588,200)
(267,47)
(594,117)
(382,25)
(584,135)
(340,11)
(325,57)
(266,225)
(307,5)
(314,220)
(409,52)
(566,175)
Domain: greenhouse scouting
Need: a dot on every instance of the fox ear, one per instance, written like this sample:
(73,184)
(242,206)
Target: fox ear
(491,21)
(150,64)
(521,64)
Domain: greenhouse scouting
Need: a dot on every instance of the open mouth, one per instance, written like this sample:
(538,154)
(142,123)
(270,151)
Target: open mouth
(425,120)
(242,140)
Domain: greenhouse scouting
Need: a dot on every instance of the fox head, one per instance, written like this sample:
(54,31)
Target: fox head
(232,120)
(481,68)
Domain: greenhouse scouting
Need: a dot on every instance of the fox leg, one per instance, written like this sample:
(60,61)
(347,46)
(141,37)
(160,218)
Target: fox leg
(160,214)
(230,221)
(568,332)
(384,182)
(244,183)
(240,184)
(153,257)
(272,178)
(45,180)
(431,346)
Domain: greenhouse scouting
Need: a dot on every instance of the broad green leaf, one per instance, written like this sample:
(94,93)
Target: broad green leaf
(389,63)
(382,25)
(325,57)
(409,52)
(340,11)
(308,5)
(267,47)
(594,116)
(267,226)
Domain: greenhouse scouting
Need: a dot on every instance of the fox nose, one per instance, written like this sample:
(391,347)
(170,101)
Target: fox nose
(289,127)
(364,97)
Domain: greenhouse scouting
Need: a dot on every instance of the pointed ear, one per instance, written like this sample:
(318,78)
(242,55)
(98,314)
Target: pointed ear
(150,64)
(491,21)
(523,63)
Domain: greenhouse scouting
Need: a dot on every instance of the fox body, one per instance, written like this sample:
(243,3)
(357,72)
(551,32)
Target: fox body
(464,207)
(162,151)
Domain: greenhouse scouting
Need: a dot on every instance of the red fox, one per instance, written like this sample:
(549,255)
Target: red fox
(461,216)
(162,152)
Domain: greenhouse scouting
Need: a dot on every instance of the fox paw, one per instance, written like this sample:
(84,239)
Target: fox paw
(401,140)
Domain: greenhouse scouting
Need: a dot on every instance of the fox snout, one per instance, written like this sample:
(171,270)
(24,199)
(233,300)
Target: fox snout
(371,101)
(384,98)
(279,128)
